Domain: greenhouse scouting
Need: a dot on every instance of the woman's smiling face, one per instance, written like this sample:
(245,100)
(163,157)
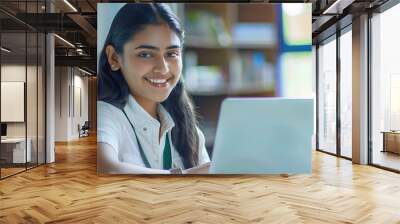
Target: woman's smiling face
(152,62)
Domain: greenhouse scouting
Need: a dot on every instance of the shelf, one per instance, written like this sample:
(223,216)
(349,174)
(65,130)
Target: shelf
(204,43)
(230,26)
(228,90)
(207,45)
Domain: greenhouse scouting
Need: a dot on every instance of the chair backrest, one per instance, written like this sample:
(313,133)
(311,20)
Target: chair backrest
(86,125)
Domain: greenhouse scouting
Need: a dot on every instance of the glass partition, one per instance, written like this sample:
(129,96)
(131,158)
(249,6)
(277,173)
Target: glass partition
(13,109)
(31,100)
(327,97)
(41,109)
(22,88)
(346,94)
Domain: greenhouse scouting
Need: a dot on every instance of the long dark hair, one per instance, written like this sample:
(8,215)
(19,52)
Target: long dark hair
(113,89)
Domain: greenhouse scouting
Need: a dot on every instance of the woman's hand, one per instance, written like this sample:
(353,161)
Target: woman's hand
(202,169)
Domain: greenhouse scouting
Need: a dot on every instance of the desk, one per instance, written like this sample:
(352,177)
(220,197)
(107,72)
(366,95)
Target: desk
(13,150)
(391,141)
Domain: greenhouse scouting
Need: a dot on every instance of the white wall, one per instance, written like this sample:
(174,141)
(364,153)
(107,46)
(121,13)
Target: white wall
(12,101)
(33,126)
(13,73)
(70,83)
(106,13)
(61,103)
(79,117)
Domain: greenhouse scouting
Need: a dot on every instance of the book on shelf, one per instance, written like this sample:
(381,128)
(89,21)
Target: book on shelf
(248,72)
(253,34)
(206,28)
(251,69)
(203,78)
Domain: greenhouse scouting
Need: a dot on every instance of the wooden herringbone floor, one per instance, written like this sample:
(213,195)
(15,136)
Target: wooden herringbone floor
(69,191)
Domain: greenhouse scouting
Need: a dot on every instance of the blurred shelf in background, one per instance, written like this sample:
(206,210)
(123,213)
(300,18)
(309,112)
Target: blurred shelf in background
(229,91)
(201,43)
(230,50)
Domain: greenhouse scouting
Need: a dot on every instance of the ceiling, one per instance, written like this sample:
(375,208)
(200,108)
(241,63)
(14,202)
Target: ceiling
(76,22)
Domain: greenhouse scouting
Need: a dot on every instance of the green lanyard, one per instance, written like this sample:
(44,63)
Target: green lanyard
(167,158)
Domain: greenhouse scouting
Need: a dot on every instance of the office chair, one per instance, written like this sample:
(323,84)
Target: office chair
(84,130)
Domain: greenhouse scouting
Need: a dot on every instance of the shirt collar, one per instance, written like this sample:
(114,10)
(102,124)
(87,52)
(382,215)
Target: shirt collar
(139,117)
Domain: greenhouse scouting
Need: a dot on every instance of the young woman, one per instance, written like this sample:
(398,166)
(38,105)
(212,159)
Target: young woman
(146,121)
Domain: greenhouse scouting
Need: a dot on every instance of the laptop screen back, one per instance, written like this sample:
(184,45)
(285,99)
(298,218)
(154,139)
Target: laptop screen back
(264,136)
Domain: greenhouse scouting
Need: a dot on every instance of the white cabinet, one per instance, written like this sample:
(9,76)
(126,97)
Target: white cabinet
(15,148)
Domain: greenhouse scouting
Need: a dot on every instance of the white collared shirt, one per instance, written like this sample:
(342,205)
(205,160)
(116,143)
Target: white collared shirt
(114,129)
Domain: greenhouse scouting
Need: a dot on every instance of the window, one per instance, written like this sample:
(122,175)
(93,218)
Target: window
(327,97)
(346,94)
(385,89)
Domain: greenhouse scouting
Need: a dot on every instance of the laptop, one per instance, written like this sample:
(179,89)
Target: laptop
(264,136)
